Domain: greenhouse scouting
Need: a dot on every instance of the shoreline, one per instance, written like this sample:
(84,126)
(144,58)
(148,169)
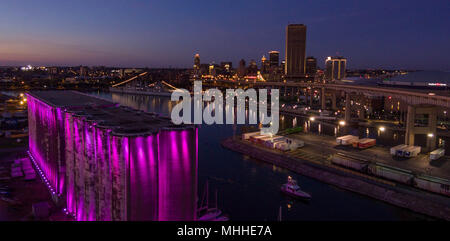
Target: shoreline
(380,189)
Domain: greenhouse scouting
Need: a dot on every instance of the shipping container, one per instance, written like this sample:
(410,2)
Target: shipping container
(411,151)
(436,154)
(346,140)
(255,138)
(400,152)
(395,148)
(433,184)
(349,162)
(365,143)
(295,144)
(391,173)
(270,143)
(247,136)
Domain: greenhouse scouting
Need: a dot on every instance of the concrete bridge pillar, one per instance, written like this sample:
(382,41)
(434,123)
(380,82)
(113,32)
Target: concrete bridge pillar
(421,120)
(362,114)
(311,97)
(323,99)
(333,101)
(347,108)
(306,96)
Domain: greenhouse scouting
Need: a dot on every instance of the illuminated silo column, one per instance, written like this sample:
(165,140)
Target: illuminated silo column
(89,170)
(79,167)
(103,173)
(177,174)
(43,144)
(119,158)
(61,139)
(70,163)
(143,178)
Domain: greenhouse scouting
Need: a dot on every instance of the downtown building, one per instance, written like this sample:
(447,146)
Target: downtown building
(295,51)
(105,162)
(311,66)
(335,68)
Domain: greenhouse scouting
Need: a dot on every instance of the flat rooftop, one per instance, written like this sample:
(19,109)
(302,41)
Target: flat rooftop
(69,98)
(122,121)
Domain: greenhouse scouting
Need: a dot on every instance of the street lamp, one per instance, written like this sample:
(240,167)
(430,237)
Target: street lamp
(342,123)
(312,118)
(430,135)
(381,128)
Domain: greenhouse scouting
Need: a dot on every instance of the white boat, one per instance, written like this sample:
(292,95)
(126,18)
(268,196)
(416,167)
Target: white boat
(210,214)
(291,188)
(205,213)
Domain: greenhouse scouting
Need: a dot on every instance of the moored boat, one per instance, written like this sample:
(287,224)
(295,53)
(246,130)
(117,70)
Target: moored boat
(291,188)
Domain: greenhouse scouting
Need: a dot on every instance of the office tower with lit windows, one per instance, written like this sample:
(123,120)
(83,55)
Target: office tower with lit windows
(197,61)
(197,71)
(295,50)
(242,70)
(265,65)
(311,65)
(335,68)
(274,58)
(252,68)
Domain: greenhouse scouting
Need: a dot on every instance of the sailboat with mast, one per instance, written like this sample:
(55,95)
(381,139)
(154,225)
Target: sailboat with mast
(206,213)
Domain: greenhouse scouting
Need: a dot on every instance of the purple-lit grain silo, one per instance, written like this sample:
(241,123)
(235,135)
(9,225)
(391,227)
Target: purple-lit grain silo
(107,162)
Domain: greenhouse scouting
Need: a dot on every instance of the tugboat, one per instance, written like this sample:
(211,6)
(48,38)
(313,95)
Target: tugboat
(292,189)
(206,213)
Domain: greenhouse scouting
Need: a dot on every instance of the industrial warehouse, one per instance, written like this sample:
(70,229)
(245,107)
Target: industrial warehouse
(104,162)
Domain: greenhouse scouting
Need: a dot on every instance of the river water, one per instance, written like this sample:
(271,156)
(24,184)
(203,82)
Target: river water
(249,189)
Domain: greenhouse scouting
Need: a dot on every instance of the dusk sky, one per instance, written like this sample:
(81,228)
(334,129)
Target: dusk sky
(371,34)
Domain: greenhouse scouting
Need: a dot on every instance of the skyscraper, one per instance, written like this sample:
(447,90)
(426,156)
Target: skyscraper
(274,58)
(197,71)
(295,50)
(252,68)
(226,67)
(241,70)
(83,71)
(197,61)
(264,65)
(335,68)
(311,65)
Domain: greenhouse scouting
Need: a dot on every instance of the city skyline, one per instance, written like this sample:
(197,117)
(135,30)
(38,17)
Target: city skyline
(135,34)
